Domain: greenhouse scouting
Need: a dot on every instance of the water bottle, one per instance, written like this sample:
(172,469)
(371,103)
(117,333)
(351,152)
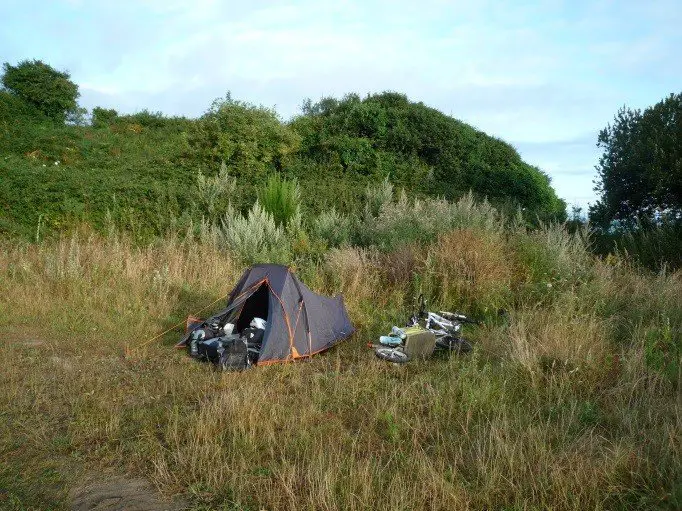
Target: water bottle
(398,332)
(197,336)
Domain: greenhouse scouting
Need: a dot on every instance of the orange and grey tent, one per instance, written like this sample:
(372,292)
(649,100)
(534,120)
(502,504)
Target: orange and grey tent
(300,322)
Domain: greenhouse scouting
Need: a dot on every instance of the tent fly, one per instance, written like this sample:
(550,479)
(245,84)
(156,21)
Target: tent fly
(271,317)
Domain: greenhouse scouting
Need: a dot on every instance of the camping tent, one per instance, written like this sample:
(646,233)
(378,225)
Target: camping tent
(300,322)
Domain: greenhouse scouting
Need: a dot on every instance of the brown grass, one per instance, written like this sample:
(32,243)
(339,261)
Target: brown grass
(472,268)
(557,408)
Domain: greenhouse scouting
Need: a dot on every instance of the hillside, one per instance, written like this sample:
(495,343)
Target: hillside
(140,171)
(422,150)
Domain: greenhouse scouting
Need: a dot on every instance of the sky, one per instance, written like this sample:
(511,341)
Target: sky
(545,76)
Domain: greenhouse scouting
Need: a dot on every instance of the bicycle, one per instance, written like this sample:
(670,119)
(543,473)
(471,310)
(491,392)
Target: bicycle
(446,326)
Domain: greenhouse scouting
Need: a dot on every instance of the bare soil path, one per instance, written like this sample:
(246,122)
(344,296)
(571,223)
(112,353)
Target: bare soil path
(118,494)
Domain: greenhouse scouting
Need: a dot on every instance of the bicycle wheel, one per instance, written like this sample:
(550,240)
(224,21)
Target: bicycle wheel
(392,355)
(458,345)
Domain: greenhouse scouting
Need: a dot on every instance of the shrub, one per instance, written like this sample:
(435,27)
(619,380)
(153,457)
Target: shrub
(214,192)
(663,349)
(255,238)
(653,248)
(103,116)
(281,198)
(332,227)
(351,270)
(404,220)
(377,197)
(374,136)
(250,140)
(471,270)
(549,260)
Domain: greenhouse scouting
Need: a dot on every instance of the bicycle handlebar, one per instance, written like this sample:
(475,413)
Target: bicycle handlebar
(458,317)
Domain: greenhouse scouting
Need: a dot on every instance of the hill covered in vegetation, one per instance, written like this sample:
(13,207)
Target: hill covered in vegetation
(575,359)
(142,171)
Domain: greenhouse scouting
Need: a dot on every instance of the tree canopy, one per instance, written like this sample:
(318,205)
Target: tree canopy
(39,85)
(640,171)
(249,139)
(421,149)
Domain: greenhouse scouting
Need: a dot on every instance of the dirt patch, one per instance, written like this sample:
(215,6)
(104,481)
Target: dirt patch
(118,494)
(31,343)
(62,362)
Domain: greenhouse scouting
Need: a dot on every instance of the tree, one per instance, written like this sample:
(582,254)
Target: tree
(422,150)
(250,140)
(640,173)
(103,116)
(50,91)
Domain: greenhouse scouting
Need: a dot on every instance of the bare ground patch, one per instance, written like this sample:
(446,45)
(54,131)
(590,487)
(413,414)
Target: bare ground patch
(117,493)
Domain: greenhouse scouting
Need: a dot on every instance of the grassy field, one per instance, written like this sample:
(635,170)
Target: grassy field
(571,402)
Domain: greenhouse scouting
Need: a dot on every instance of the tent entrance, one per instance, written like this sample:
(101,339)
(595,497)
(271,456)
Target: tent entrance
(256,306)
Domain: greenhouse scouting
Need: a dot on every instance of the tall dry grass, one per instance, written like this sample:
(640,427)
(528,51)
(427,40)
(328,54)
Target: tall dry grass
(561,406)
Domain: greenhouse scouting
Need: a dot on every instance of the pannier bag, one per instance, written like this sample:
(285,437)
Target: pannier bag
(419,342)
(253,335)
(210,349)
(234,356)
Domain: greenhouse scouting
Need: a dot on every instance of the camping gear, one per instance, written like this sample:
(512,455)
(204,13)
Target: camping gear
(447,327)
(253,335)
(298,322)
(234,355)
(390,340)
(209,349)
(258,323)
(426,332)
(419,342)
(398,332)
(395,355)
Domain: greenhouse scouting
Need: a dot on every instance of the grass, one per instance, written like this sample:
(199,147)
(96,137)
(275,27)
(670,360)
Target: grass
(571,401)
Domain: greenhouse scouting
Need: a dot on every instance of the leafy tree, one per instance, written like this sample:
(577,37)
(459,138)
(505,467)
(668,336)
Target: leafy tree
(103,116)
(422,150)
(251,140)
(640,173)
(12,109)
(50,91)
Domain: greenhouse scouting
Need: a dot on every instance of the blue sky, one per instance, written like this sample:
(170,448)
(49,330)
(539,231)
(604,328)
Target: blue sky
(545,76)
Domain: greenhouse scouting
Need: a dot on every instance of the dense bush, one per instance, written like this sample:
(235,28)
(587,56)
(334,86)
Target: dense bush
(214,193)
(103,116)
(68,175)
(422,150)
(14,110)
(255,237)
(250,140)
(654,247)
(281,198)
(390,220)
(332,227)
